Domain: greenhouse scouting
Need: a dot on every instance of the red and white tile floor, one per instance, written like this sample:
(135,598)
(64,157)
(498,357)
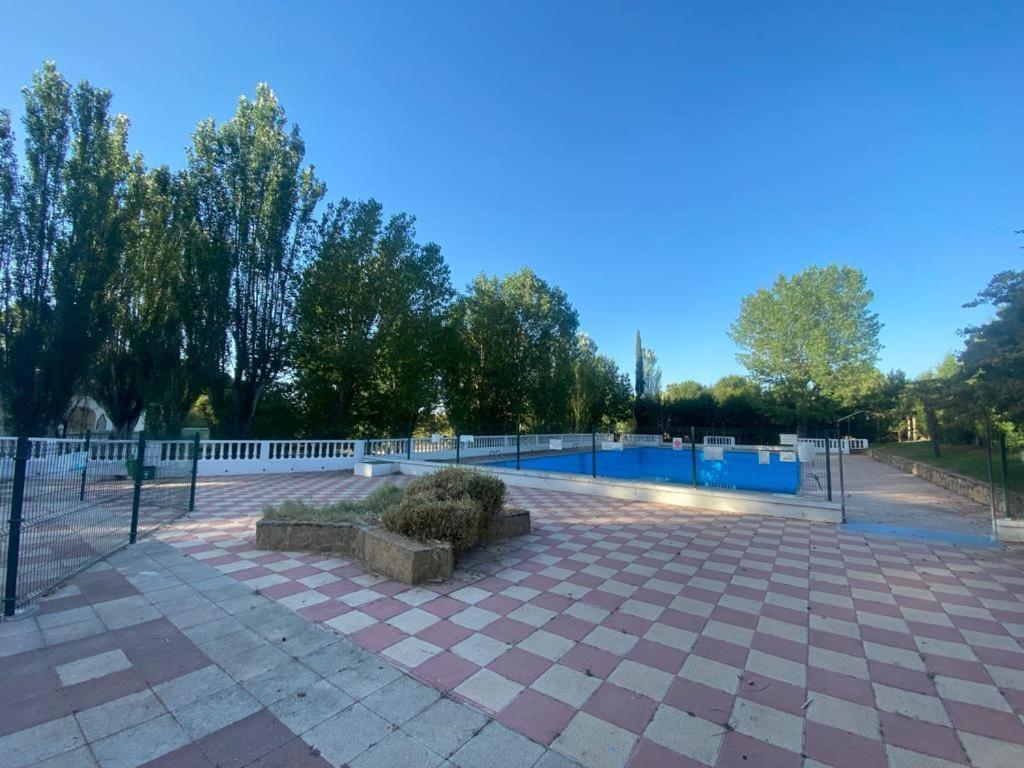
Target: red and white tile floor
(625,633)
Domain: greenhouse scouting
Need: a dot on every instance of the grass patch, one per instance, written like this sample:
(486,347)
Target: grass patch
(365,511)
(968,460)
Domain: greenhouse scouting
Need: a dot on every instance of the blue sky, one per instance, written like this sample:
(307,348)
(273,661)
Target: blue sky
(656,160)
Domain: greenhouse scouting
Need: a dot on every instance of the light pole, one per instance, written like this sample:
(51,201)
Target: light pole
(839,445)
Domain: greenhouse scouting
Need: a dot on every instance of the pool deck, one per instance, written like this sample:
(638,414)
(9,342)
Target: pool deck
(617,633)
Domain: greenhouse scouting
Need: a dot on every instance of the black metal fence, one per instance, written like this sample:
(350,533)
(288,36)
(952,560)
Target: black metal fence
(739,459)
(1006,475)
(987,466)
(69,502)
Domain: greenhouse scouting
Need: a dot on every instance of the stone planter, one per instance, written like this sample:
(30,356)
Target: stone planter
(398,557)
(405,559)
(342,538)
(510,522)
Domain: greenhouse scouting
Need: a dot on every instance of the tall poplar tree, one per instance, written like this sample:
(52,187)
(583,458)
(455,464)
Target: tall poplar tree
(254,203)
(639,385)
(63,221)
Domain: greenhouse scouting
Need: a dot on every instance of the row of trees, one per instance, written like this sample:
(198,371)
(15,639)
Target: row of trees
(232,286)
(810,343)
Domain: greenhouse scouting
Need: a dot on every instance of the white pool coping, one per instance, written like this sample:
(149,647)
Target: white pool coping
(1010,529)
(712,500)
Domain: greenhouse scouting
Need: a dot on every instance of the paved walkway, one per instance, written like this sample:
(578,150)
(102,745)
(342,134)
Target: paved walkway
(616,634)
(883,495)
(629,633)
(155,659)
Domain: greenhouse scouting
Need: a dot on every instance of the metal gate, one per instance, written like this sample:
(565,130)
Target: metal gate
(67,503)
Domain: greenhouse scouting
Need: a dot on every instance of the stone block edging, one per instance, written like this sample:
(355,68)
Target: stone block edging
(398,557)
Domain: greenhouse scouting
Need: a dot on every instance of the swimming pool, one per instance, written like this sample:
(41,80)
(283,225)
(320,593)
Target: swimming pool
(769,471)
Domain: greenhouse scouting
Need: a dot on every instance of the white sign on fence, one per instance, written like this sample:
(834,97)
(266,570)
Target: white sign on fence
(555,445)
(764,457)
(466,438)
(713,453)
(611,445)
(787,456)
(435,438)
(677,443)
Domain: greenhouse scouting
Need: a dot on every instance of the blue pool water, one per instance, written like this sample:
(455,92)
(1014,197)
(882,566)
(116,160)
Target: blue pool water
(738,470)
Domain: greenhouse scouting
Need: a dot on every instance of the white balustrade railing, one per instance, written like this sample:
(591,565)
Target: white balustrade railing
(847,443)
(241,457)
(647,440)
(719,440)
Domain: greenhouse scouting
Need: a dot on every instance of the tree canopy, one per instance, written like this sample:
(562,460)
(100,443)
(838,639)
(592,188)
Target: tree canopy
(509,355)
(812,338)
(231,292)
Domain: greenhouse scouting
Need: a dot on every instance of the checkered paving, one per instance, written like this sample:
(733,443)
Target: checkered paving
(627,633)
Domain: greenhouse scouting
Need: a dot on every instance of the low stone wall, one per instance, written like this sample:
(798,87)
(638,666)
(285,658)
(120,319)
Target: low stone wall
(341,538)
(962,485)
(398,557)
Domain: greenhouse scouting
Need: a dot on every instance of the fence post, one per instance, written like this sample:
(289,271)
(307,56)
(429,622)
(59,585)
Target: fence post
(408,444)
(693,454)
(828,464)
(991,477)
(85,465)
(842,480)
(140,461)
(519,433)
(593,454)
(14,528)
(458,447)
(1006,474)
(195,472)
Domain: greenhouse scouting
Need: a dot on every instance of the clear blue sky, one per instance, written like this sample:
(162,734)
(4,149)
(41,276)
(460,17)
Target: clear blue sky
(657,161)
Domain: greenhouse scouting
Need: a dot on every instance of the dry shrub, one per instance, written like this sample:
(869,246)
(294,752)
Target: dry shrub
(419,517)
(453,505)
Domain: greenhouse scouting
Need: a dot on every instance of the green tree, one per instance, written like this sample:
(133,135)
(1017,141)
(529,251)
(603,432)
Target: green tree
(511,346)
(254,203)
(812,339)
(639,385)
(140,365)
(601,393)
(652,374)
(688,404)
(740,402)
(370,323)
(63,220)
(993,355)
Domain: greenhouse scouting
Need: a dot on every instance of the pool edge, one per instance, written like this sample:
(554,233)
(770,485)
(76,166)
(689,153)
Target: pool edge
(712,500)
